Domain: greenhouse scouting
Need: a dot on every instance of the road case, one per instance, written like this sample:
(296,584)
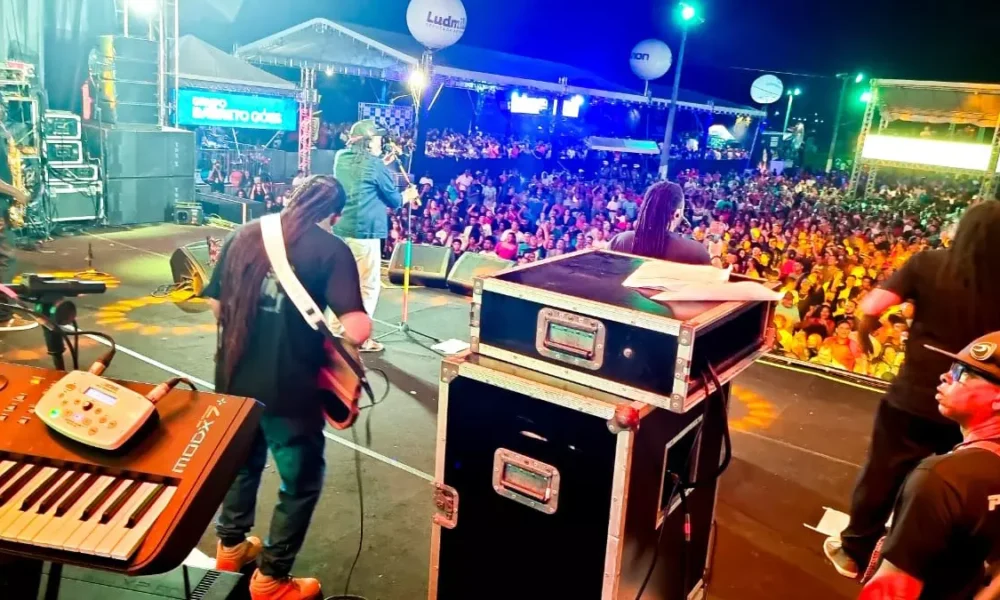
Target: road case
(570,317)
(562,490)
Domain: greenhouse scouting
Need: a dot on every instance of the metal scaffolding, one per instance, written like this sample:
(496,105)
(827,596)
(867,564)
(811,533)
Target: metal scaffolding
(931,115)
(308,98)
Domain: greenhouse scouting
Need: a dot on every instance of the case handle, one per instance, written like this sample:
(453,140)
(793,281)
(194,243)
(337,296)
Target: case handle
(526,481)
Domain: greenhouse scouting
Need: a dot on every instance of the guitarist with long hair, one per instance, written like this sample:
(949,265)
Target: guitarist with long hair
(267,351)
(9,193)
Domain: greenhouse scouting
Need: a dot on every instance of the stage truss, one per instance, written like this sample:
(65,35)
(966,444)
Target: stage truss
(861,164)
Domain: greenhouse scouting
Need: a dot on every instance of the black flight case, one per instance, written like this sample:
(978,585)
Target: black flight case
(563,437)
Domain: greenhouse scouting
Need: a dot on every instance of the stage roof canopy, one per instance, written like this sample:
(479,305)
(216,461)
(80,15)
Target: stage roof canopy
(207,67)
(358,50)
(938,102)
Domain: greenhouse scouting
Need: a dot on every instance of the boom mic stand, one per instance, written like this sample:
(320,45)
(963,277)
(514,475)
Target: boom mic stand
(403,326)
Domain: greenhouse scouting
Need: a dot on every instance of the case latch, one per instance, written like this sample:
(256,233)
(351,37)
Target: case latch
(445,505)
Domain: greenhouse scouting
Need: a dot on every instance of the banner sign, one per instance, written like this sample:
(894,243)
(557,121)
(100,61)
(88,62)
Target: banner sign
(221,109)
(390,116)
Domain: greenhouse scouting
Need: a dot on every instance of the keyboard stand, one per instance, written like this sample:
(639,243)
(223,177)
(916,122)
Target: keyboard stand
(20,577)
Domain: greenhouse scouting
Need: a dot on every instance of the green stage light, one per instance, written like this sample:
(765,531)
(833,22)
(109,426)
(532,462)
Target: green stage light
(688,12)
(866,97)
(859,78)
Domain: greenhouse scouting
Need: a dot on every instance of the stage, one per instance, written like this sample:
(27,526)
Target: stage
(798,439)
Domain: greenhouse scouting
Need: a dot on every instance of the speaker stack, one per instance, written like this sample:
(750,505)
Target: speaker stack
(75,192)
(124,71)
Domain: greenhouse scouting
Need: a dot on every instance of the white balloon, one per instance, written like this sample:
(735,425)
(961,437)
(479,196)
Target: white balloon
(436,23)
(766,89)
(651,59)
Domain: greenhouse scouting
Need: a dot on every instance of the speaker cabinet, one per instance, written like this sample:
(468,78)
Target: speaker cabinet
(428,266)
(469,266)
(146,199)
(75,203)
(192,265)
(139,151)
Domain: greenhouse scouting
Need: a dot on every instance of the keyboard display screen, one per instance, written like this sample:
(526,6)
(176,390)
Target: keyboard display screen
(100,396)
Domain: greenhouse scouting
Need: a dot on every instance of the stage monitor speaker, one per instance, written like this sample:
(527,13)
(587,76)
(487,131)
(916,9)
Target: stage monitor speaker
(469,266)
(77,583)
(192,265)
(428,266)
(140,151)
(146,199)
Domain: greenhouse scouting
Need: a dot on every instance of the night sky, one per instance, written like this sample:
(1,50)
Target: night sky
(918,39)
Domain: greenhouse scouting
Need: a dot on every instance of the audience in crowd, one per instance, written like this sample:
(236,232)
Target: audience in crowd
(826,251)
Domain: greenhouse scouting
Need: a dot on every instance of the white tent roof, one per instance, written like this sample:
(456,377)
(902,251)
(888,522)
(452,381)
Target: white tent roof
(205,66)
(354,49)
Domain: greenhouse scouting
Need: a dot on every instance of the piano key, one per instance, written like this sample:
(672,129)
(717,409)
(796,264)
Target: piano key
(61,490)
(55,533)
(91,517)
(143,508)
(76,494)
(33,510)
(43,489)
(102,498)
(10,511)
(9,470)
(18,484)
(107,535)
(36,526)
(133,539)
(113,508)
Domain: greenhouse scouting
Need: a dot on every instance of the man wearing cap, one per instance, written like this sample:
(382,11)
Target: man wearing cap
(947,516)
(371,191)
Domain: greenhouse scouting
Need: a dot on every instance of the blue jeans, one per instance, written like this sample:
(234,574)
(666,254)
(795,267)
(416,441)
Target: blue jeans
(297,447)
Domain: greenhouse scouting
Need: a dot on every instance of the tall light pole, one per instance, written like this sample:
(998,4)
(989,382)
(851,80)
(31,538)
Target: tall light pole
(788,112)
(836,121)
(687,14)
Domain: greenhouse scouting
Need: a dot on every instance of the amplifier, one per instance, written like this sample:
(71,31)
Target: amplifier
(70,174)
(188,213)
(64,152)
(570,317)
(76,203)
(546,476)
(60,124)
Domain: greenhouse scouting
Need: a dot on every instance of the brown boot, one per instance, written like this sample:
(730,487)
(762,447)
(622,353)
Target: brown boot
(263,587)
(235,558)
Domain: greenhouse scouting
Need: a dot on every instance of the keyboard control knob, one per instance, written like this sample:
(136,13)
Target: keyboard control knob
(87,405)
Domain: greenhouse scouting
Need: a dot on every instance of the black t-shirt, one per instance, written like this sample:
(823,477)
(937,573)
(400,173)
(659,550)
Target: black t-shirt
(942,318)
(283,356)
(946,523)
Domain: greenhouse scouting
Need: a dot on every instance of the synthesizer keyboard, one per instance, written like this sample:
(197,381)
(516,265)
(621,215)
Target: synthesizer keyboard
(138,510)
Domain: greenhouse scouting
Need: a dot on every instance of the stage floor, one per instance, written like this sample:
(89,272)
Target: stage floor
(798,439)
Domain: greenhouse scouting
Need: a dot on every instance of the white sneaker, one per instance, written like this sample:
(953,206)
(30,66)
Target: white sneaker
(18,323)
(371,345)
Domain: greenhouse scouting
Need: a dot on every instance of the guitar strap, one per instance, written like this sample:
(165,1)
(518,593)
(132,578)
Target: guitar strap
(274,246)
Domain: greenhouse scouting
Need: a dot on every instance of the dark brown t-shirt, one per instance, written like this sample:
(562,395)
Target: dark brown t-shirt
(680,249)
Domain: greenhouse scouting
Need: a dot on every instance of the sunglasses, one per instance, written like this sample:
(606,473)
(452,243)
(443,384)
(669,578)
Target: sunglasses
(961,373)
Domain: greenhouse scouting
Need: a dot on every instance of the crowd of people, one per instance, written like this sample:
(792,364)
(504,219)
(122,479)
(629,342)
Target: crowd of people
(826,251)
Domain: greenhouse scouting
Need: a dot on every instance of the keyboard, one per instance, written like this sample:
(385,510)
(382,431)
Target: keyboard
(139,510)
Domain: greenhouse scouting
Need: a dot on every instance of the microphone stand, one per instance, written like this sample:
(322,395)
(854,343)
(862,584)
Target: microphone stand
(403,326)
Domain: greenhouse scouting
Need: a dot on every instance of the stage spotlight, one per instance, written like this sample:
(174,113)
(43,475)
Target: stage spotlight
(688,12)
(866,97)
(417,80)
(859,78)
(329,71)
(146,9)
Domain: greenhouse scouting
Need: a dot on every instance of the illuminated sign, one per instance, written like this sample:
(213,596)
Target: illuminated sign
(220,109)
(923,151)
(524,104)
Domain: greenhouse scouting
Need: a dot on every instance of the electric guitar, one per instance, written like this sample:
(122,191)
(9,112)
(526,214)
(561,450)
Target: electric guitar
(340,385)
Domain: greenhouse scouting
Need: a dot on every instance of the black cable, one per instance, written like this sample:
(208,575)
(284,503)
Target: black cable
(682,485)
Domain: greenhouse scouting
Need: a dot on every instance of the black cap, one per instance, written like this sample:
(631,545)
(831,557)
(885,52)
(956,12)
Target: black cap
(981,355)
(365,129)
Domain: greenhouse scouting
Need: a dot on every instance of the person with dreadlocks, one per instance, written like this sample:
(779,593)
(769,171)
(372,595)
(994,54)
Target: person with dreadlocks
(954,293)
(662,210)
(267,351)
(370,192)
